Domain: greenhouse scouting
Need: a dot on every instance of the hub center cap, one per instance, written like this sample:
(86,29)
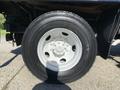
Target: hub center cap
(59,49)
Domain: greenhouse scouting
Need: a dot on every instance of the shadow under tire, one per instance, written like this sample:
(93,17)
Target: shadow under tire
(60,21)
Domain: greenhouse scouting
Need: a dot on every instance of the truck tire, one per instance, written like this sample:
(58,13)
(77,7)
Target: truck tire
(59,45)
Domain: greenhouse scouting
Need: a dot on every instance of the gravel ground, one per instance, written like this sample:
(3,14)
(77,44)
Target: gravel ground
(104,75)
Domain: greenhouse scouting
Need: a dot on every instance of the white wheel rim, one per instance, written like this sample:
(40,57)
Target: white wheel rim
(61,46)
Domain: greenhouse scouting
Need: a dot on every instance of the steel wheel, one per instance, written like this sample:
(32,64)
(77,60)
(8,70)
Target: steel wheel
(59,45)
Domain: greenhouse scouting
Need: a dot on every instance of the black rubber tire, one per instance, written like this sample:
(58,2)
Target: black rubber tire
(59,19)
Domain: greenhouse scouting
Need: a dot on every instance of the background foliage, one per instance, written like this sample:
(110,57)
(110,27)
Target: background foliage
(2,21)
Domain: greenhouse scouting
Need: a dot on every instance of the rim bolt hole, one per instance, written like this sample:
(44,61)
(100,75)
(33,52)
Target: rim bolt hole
(48,38)
(47,54)
(63,60)
(73,48)
(65,34)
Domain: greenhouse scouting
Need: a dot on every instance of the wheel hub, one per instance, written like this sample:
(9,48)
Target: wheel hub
(59,50)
